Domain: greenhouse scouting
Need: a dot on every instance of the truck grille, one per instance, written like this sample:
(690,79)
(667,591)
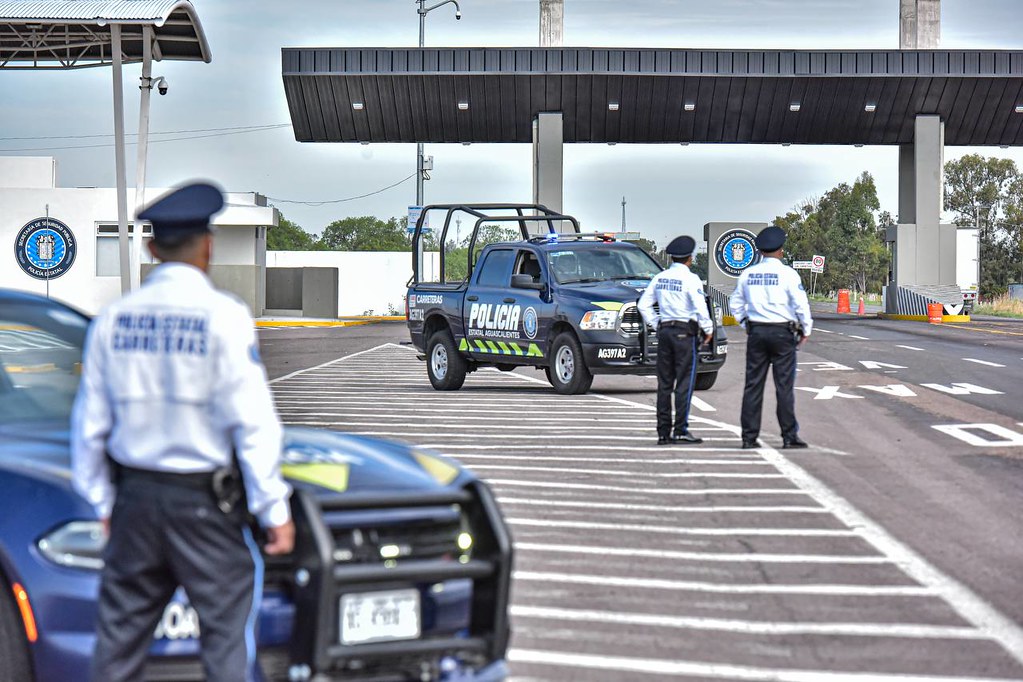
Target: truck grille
(631,320)
(411,540)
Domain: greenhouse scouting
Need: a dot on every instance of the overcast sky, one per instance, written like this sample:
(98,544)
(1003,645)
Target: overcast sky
(670,189)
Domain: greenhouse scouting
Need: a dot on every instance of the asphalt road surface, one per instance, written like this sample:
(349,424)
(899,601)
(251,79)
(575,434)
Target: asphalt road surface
(891,550)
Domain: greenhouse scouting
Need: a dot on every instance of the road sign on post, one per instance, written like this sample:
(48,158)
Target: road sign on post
(802,265)
(818,263)
(413,217)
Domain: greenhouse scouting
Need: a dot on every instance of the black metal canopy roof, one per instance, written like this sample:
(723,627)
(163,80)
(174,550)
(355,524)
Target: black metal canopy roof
(662,96)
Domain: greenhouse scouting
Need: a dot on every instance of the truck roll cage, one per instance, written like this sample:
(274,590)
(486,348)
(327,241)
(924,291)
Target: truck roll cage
(483,213)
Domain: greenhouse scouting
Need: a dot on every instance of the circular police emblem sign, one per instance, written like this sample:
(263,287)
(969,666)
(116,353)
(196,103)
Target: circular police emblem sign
(529,324)
(45,248)
(735,251)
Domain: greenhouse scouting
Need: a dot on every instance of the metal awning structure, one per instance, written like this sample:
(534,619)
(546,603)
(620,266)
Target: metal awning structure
(67,34)
(73,34)
(653,96)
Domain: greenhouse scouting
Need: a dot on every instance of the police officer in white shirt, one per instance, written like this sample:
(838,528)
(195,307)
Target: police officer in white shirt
(681,323)
(770,302)
(173,430)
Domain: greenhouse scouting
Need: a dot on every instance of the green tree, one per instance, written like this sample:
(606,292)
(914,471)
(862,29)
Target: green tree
(365,233)
(987,193)
(289,236)
(841,225)
(699,265)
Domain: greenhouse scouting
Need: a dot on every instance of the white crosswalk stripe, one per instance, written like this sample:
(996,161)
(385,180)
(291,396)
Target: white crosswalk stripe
(626,550)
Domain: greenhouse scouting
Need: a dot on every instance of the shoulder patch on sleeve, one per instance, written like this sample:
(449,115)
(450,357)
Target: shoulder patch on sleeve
(801,288)
(254,353)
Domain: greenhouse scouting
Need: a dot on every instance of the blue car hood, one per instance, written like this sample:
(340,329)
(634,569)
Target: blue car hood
(321,461)
(618,291)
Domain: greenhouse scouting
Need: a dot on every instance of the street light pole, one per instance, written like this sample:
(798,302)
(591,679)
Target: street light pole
(423,11)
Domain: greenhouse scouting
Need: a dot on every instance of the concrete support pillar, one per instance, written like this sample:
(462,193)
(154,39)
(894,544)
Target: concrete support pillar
(552,23)
(929,170)
(919,24)
(907,184)
(924,251)
(549,160)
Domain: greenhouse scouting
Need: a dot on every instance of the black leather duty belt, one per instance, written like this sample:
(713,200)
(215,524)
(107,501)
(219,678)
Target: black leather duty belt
(202,480)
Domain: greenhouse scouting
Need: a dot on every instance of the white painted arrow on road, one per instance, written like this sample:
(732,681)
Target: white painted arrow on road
(828,392)
(897,390)
(962,389)
(873,364)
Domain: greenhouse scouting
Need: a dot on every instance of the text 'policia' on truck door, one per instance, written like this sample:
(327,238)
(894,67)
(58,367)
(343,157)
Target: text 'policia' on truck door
(502,321)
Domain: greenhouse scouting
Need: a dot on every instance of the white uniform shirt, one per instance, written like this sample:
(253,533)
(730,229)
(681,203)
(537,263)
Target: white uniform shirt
(679,295)
(172,381)
(771,292)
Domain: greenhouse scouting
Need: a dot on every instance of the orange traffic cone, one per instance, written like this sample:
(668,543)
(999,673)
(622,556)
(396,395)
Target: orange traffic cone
(862,309)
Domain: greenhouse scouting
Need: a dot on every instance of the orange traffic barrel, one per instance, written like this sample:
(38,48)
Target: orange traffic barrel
(843,301)
(934,312)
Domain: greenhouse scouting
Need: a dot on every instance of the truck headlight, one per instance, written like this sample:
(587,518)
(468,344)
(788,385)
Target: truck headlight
(719,315)
(78,544)
(599,319)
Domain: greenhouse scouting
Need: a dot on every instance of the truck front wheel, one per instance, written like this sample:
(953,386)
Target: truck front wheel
(567,372)
(444,364)
(705,380)
(15,665)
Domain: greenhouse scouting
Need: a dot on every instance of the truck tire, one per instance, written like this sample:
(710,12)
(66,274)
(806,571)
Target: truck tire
(444,364)
(15,665)
(567,372)
(705,380)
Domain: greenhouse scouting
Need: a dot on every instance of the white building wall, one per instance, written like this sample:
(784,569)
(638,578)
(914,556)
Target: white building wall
(369,282)
(27,188)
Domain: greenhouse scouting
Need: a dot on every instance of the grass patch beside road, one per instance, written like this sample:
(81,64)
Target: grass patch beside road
(1003,306)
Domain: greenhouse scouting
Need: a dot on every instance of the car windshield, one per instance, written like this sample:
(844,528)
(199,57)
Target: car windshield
(575,265)
(40,362)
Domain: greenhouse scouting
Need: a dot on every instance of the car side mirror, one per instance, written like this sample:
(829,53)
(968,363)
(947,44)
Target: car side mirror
(526,282)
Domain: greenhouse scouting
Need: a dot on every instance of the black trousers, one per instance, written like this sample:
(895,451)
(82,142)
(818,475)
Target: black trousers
(773,347)
(162,536)
(676,371)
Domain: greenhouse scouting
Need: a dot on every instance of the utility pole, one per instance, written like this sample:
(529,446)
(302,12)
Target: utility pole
(623,215)
(420,159)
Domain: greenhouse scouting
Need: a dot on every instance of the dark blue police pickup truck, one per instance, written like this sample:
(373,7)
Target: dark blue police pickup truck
(562,301)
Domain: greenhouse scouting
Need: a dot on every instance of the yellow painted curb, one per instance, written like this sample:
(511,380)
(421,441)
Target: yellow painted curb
(311,323)
(923,318)
(377,318)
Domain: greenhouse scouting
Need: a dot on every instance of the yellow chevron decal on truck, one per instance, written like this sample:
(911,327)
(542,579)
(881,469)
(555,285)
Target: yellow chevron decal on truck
(608,305)
(331,476)
(500,348)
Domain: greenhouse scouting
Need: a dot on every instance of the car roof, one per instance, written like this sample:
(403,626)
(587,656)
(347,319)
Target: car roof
(15,296)
(27,298)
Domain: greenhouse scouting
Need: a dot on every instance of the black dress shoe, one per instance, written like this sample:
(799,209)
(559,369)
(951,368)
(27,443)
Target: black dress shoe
(687,438)
(794,444)
(665,440)
(749,445)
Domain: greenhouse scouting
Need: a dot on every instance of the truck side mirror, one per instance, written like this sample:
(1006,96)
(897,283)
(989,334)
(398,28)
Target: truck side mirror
(526,282)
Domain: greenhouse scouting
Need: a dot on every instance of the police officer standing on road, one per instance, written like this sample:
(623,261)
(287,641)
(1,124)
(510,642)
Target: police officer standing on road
(682,321)
(770,302)
(173,428)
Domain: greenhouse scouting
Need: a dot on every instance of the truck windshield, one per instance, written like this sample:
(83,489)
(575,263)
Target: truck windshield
(572,266)
(40,362)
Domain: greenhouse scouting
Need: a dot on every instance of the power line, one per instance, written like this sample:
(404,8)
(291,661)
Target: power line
(341,201)
(161,132)
(167,139)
